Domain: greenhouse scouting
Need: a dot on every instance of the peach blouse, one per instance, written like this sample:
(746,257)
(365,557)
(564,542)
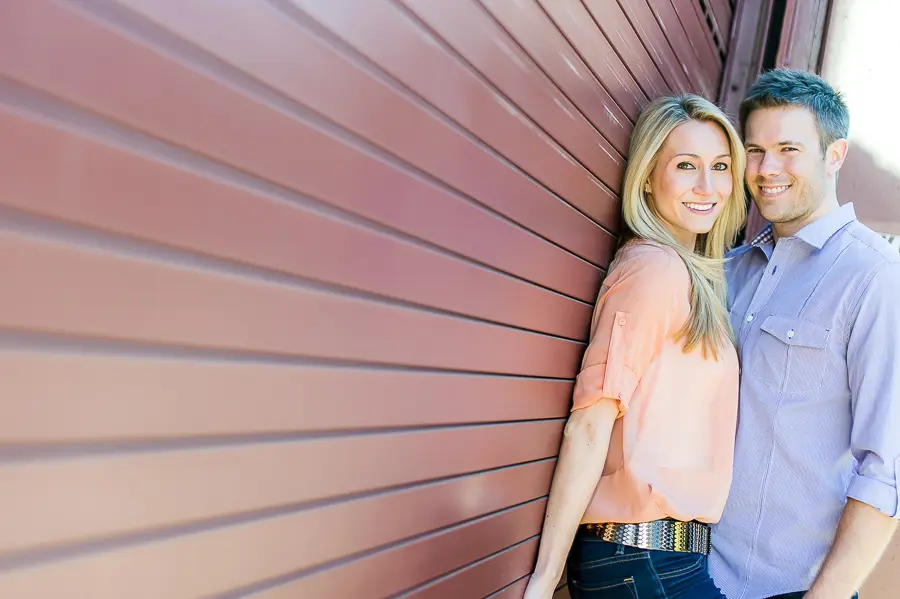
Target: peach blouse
(672,446)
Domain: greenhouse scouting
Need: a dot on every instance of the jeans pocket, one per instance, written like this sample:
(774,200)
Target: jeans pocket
(625,589)
(614,577)
(679,565)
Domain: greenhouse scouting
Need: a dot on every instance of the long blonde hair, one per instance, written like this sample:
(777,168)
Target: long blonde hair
(708,323)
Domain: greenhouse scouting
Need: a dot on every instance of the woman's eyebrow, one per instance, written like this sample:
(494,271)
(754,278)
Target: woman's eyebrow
(698,157)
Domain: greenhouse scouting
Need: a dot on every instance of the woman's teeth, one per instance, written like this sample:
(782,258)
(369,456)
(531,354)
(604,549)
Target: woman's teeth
(700,207)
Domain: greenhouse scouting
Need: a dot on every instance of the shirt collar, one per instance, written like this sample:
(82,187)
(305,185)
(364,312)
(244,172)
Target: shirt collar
(763,237)
(817,232)
(820,231)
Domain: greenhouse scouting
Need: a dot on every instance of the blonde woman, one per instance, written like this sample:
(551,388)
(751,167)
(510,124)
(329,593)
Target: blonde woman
(645,462)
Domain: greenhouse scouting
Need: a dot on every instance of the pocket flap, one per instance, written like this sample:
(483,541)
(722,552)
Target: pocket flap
(796,331)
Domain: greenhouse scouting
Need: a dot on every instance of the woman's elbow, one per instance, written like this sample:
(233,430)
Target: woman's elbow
(593,423)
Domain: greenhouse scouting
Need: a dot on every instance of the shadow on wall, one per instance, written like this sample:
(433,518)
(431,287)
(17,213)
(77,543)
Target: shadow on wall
(873,189)
(875,193)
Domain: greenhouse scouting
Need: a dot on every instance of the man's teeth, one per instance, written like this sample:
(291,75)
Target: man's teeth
(700,207)
(774,190)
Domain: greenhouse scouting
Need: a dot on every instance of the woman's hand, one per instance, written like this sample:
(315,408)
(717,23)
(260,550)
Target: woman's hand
(539,588)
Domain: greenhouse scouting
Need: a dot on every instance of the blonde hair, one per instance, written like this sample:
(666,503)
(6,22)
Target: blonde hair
(708,323)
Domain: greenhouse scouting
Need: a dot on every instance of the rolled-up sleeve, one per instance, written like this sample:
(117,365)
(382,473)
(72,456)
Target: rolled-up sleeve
(641,301)
(873,362)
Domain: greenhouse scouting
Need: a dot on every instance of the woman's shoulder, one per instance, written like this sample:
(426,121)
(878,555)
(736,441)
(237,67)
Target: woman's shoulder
(649,261)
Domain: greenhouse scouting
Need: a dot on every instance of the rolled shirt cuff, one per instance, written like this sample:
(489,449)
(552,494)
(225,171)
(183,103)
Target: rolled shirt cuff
(882,496)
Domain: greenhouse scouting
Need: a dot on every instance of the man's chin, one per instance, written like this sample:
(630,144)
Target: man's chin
(771,212)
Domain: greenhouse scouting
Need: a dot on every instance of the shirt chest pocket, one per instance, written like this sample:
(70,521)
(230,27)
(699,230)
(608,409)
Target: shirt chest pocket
(791,354)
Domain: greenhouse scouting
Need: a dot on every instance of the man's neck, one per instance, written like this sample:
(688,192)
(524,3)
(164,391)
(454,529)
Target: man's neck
(791,228)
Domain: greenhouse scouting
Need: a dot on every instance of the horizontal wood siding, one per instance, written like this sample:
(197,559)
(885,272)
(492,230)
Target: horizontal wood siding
(294,291)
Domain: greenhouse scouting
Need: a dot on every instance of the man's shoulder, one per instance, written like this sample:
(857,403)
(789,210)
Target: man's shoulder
(872,263)
(868,248)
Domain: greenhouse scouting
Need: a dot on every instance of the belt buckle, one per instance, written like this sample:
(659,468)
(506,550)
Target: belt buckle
(658,535)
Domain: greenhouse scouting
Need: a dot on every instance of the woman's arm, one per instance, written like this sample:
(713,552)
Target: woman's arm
(581,459)
(644,298)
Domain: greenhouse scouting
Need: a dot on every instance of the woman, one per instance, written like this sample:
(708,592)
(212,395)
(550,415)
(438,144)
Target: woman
(645,463)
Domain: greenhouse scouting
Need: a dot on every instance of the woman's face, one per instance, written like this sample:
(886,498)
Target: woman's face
(692,179)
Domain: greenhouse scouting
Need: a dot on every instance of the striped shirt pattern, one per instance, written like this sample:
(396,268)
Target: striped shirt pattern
(817,319)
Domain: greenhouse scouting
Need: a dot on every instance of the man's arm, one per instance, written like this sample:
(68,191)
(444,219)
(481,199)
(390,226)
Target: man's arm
(862,537)
(873,366)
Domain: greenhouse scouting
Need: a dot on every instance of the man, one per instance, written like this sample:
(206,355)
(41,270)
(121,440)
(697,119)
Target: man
(815,306)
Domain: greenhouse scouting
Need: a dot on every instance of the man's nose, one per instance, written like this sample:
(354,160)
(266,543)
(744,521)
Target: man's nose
(770,165)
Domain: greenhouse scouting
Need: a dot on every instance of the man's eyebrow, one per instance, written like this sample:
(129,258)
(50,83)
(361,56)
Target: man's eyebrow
(748,144)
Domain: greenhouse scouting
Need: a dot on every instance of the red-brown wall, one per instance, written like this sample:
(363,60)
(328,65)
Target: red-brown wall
(294,291)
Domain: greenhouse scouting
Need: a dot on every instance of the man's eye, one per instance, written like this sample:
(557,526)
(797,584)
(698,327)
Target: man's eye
(720,166)
(754,150)
(685,166)
(790,149)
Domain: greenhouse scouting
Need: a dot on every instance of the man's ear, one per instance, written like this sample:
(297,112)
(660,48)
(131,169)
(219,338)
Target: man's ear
(835,155)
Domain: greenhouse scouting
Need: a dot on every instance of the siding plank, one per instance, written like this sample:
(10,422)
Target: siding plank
(409,54)
(574,21)
(129,194)
(538,36)
(424,140)
(700,35)
(474,34)
(127,298)
(723,15)
(654,40)
(698,64)
(79,398)
(129,493)
(612,21)
(398,569)
(294,291)
(513,591)
(271,144)
(225,560)
(484,577)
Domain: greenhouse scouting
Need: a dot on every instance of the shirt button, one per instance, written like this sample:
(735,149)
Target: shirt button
(790,334)
(749,318)
(621,322)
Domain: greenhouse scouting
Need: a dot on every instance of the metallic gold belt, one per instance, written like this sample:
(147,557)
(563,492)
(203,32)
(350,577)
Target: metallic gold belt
(659,535)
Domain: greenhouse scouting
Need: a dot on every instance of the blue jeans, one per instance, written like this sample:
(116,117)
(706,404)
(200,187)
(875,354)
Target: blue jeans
(601,570)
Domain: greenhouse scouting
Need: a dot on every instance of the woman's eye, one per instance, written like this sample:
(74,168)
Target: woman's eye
(685,166)
(754,151)
(720,166)
(789,149)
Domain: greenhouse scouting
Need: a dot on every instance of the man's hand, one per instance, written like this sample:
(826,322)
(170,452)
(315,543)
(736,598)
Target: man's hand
(862,536)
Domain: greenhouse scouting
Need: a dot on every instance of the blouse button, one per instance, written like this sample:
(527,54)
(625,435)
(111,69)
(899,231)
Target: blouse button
(621,322)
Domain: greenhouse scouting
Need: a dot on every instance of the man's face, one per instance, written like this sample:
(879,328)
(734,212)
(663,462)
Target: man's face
(786,171)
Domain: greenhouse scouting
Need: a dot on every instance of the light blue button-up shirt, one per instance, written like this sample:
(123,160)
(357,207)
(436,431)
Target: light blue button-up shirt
(817,319)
